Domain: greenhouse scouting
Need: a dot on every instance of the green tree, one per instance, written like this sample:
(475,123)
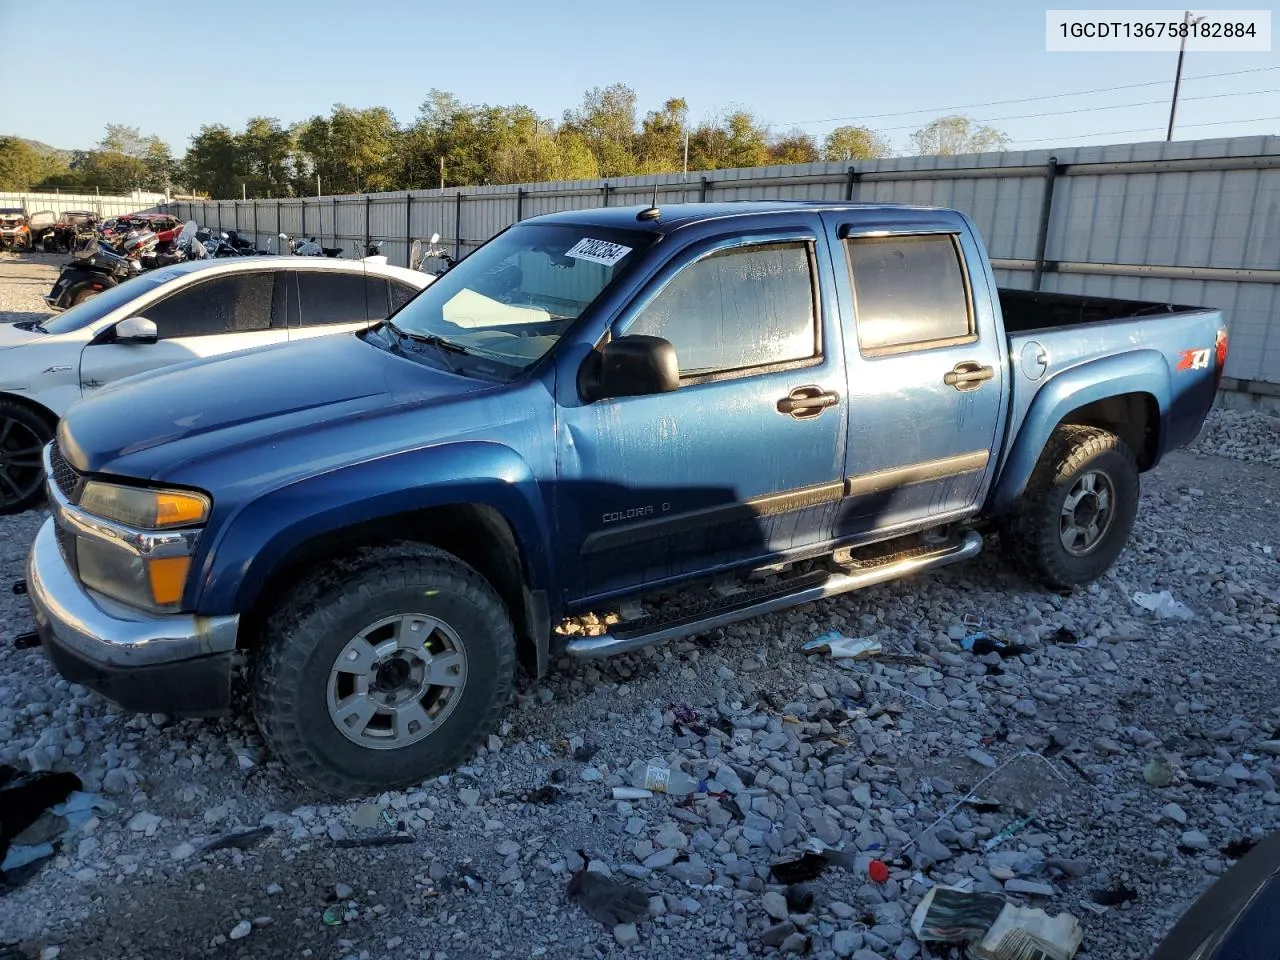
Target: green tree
(21,165)
(794,147)
(606,120)
(948,136)
(265,158)
(160,165)
(354,150)
(854,143)
(212,163)
(736,139)
(660,147)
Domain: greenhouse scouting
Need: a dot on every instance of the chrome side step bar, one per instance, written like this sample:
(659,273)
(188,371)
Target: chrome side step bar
(610,644)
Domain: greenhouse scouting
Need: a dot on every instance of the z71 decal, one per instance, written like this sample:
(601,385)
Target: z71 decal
(1195,359)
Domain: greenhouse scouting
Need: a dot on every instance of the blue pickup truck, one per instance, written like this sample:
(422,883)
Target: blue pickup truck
(593,407)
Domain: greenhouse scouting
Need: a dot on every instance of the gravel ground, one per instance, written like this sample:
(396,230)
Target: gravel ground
(874,757)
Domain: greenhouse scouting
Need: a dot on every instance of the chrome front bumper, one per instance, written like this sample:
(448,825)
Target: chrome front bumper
(176,663)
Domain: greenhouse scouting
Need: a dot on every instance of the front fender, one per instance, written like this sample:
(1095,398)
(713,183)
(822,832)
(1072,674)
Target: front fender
(1137,371)
(250,543)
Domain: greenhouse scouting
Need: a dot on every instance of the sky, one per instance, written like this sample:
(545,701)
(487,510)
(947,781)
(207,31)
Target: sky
(891,66)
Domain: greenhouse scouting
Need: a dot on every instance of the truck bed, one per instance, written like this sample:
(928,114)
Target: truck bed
(1027,310)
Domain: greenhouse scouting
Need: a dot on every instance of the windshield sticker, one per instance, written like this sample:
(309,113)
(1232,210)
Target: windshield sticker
(598,251)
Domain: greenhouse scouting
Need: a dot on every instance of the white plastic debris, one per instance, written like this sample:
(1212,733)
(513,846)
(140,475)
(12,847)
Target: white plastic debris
(631,793)
(841,647)
(1164,606)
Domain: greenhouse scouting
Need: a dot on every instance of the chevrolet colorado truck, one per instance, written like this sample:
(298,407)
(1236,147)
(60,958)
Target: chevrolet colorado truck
(593,407)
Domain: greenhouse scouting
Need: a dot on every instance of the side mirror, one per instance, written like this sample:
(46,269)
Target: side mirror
(136,330)
(635,366)
(283,236)
(435,238)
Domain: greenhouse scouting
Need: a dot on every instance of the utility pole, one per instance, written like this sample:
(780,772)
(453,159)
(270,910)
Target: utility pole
(442,171)
(1190,21)
(244,192)
(317,186)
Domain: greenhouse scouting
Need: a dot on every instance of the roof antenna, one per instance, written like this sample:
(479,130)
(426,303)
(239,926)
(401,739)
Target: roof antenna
(653,212)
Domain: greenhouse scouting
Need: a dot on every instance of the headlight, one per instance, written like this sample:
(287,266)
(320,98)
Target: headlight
(142,508)
(154,583)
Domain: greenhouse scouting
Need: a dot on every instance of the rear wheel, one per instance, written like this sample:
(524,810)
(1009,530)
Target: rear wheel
(1078,509)
(383,669)
(82,295)
(23,434)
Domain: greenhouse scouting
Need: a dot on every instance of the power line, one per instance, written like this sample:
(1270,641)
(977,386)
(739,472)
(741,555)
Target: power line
(1113,106)
(1048,96)
(1116,133)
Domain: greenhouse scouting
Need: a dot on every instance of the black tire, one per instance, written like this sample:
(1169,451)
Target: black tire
(1033,536)
(303,639)
(23,434)
(83,295)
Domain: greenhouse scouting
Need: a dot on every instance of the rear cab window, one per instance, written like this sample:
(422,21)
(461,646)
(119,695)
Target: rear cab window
(910,293)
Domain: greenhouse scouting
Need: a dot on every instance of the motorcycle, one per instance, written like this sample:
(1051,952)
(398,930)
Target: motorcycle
(309,247)
(94,266)
(373,252)
(418,257)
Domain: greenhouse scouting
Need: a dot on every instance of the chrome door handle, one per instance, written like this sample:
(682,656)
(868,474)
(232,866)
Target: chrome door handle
(968,375)
(803,403)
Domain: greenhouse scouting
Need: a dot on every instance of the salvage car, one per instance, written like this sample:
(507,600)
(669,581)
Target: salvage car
(15,234)
(593,406)
(70,226)
(167,316)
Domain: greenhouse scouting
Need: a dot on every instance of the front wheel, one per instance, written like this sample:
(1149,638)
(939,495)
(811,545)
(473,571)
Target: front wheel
(23,434)
(1078,509)
(383,669)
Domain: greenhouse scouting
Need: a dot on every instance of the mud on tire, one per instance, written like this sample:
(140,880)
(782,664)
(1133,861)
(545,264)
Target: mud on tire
(346,609)
(1078,510)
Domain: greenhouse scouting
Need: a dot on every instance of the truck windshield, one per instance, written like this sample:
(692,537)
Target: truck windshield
(509,302)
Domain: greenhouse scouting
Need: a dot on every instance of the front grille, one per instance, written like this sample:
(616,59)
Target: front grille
(67,477)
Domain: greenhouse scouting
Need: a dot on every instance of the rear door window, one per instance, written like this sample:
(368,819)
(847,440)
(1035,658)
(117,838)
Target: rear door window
(401,293)
(327,297)
(909,292)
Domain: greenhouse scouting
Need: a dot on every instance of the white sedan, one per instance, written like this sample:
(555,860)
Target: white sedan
(182,312)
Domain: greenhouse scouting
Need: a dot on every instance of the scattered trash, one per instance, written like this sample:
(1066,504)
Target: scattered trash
(1115,896)
(1238,848)
(994,929)
(631,793)
(1062,635)
(585,752)
(660,778)
(808,866)
(606,900)
(334,915)
(841,647)
(378,840)
(1008,832)
(241,839)
(984,642)
(545,794)
(799,899)
(878,871)
(1163,605)
(367,815)
(1158,773)
(685,714)
(39,812)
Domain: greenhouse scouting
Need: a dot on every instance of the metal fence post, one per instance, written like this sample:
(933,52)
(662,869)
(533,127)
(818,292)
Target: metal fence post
(519,204)
(304,217)
(1046,209)
(605,188)
(702,190)
(255,222)
(368,200)
(457,226)
(279,229)
(335,221)
(850,183)
(408,228)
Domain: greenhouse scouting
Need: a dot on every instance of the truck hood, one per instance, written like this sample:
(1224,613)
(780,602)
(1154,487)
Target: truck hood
(146,425)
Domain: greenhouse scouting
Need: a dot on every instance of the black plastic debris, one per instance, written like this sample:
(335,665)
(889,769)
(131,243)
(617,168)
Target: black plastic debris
(1114,896)
(606,900)
(241,840)
(378,840)
(1238,848)
(1062,635)
(24,797)
(26,641)
(799,899)
(585,752)
(807,867)
(544,795)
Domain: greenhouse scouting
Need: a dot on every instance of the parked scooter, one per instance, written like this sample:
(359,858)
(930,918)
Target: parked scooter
(373,252)
(94,266)
(310,247)
(418,257)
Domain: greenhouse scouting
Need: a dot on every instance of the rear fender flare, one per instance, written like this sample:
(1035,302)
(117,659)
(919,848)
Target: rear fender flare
(1139,371)
(263,532)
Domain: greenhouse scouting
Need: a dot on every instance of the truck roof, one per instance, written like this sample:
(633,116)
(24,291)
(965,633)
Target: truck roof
(674,215)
